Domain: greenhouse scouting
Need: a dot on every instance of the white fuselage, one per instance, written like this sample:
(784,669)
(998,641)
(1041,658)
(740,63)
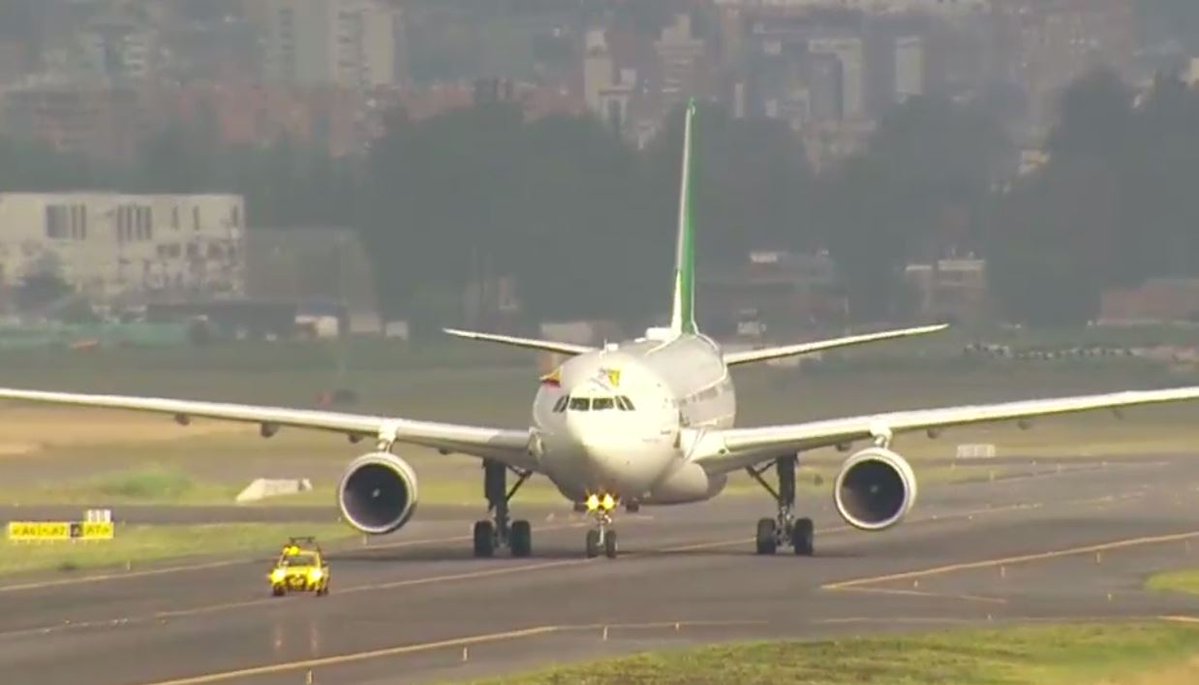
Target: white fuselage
(611,424)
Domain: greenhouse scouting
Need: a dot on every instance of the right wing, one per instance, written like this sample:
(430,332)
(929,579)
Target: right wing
(747,356)
(723,451)
(545,345)
(511,447)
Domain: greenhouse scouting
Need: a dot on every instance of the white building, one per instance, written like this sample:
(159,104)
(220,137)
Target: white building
(349,43)
(126,247)
(849,51)
(909,67)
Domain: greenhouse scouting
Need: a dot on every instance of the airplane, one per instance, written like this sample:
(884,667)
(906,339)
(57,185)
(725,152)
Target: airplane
(647,421)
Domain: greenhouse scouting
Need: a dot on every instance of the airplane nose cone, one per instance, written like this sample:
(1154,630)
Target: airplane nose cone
(615,455)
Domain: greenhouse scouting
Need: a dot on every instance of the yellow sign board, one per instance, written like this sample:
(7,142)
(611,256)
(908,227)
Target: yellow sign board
(29,531)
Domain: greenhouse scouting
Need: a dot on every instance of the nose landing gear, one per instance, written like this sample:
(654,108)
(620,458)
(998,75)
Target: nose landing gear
(602,536)
(784,529)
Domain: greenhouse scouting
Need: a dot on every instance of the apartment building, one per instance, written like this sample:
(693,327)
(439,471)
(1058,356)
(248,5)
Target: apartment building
(349,43)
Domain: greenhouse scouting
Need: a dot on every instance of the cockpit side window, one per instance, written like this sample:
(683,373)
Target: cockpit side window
(560,405)
(580,403)
(601,403)
(625,403)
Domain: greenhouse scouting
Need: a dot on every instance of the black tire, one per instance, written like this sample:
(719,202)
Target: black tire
(521,539)
(593,544)
(803,537)
(277,592)
(484,539)
(610,544)
(766,541)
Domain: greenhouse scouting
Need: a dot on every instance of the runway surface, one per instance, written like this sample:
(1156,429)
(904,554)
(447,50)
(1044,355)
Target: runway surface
(415,607)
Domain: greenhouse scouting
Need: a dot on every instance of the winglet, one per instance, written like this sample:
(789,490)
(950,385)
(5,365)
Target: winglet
(682,313)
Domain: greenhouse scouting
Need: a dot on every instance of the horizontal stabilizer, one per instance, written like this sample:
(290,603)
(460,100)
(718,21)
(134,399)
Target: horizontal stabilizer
(748,356)
(546,345)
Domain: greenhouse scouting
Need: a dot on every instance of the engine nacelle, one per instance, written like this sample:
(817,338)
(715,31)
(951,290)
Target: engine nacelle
(875,489)
(377,494)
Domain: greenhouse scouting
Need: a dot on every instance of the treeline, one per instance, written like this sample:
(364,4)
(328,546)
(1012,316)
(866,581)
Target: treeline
(586,223)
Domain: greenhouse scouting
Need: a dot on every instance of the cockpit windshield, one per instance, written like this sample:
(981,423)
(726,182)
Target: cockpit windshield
(607,403)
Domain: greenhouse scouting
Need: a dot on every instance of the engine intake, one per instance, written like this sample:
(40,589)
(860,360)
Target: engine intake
(378,493)
(875,489)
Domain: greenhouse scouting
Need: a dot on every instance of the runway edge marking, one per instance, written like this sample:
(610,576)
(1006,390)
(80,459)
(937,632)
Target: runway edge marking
(1020,559)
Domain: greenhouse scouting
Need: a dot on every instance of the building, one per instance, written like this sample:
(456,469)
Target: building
(772,293)
(350,43)
(306,264)
(127,249)
(680,60)
(909,67)
(950,289)
(1051,43)
(95,120)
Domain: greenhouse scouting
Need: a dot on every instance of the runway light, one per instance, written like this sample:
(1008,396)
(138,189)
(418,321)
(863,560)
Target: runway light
(465,654)
(605,633)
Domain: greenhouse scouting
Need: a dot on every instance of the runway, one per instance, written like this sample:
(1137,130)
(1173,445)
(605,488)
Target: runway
(415,607)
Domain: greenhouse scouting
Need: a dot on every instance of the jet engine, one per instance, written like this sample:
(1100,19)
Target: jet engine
(875,489)
(377,494)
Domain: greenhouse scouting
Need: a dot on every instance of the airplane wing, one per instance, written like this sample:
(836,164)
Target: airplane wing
(723,451)
(531,343)
(507,446)
(747,356)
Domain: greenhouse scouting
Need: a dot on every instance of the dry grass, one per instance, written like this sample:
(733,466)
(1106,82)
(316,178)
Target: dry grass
(136,544)
(29,430)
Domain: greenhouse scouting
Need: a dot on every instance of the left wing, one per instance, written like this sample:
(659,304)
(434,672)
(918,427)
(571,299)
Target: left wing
(507,446)
(747,356)
(723,451)
(529,343)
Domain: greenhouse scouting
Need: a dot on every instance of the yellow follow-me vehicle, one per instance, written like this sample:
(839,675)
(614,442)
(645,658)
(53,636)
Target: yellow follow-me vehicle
(301,566)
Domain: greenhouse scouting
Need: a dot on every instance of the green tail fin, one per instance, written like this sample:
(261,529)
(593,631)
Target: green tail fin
(682,314)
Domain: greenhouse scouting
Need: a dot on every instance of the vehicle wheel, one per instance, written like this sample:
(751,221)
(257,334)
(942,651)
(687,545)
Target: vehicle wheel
(593,543)
(276,592)
(484,539)
(521,539)
(766,542)
(610,544)
(802,537)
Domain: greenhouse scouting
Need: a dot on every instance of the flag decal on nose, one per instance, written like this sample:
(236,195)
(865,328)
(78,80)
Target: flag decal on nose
(553,377)
(613,376)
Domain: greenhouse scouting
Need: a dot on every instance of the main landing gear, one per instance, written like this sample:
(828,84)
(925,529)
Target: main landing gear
(602,536)
(517,536)
(784,529)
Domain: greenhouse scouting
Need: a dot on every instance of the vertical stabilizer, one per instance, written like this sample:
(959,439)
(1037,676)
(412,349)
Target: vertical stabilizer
(682,313)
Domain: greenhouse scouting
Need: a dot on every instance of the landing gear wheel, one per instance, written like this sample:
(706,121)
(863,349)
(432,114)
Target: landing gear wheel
(802,535)
(766,539)
(484,539)
(277,592)
(521,540)
(593,543)
(610,544)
